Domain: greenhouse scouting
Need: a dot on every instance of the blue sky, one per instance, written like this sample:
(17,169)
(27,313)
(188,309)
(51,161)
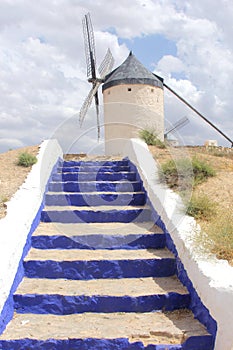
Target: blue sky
(150,49)
(43,75)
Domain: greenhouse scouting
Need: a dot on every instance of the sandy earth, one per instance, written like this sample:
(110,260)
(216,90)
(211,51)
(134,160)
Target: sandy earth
(218,188)
(12,175)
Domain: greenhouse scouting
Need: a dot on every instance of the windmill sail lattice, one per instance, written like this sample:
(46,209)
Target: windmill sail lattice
(105,67)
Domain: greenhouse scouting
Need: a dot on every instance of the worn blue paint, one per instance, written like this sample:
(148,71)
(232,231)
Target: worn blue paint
(79,216)
(100,241)
(80,176)
(8,309)
(93,168)
(93,269)
(72,163)
(90,199)
(196,306)
(102,186)
(66,305)
(193,343)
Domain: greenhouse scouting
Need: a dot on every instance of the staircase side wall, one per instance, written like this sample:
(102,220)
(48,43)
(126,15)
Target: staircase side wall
(23,216)
(210,281)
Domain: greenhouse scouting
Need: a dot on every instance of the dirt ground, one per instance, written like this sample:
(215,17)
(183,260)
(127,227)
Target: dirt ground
(12,175)
(218,188)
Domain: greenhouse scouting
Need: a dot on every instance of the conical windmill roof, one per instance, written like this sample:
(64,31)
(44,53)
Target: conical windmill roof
(131,71)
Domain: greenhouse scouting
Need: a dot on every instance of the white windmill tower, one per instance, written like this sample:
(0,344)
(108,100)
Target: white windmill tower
(133,100)
(133,97)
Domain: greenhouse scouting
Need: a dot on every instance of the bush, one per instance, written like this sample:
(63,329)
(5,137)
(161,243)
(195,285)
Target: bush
(26,159)
(200,207)
(202,171)
(178,175)
(150,138)
(185,172)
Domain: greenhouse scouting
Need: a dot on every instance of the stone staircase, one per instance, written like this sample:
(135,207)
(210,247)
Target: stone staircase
(98,274)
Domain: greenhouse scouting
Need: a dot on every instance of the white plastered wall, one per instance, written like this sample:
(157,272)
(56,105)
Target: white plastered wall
(211,278)
(128,109)
(21,211)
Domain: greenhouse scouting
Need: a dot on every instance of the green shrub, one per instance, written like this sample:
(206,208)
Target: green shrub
(3,199)
(177,174)
(147,136)
(200,207)
(26,159)
(202,171)
(185,172)
(150,138)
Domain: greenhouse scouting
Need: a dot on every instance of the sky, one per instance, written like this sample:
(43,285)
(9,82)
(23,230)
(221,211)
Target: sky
(43,79)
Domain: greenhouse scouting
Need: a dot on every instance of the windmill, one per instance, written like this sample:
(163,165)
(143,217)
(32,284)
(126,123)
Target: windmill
(104,68)
(176,126)
(121,88)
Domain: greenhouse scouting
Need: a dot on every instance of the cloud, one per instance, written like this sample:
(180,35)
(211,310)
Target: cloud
(43,69)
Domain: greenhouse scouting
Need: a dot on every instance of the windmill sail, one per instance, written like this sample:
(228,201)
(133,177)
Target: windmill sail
(198,113)
(89,43)
(179,124)
(105,67)
(87,102)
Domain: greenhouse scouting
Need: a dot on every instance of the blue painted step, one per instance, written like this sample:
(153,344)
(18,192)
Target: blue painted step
(66,305)
(105,256)
(94,168)
(80,216)
(94,269)
(100,241)
(95,163)
(193,343)
(100,176)
(92,186)
(95,199)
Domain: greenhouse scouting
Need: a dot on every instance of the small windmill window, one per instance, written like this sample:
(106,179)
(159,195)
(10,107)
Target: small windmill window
(129,89)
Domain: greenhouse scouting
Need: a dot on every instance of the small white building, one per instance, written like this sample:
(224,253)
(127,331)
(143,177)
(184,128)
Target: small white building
(211,143)
(133,100)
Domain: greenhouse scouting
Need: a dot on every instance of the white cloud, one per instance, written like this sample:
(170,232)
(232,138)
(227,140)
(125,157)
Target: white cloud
(169,64)
(43,72)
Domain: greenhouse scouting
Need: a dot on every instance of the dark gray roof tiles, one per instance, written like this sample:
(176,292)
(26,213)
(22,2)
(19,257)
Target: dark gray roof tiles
(131,71)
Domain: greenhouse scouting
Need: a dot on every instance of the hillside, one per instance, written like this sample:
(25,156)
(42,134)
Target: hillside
(219,189)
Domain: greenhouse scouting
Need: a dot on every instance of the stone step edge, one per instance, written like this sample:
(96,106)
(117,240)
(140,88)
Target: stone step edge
(172,328)
(98,255)
(98,208)
(133,287)
(99,241)
(60,304)
(95,193)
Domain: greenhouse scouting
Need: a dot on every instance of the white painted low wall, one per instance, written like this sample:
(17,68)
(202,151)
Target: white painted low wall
(21,211)
(211,278)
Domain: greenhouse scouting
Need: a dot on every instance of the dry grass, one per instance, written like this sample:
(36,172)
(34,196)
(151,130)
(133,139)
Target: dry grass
(214,197)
